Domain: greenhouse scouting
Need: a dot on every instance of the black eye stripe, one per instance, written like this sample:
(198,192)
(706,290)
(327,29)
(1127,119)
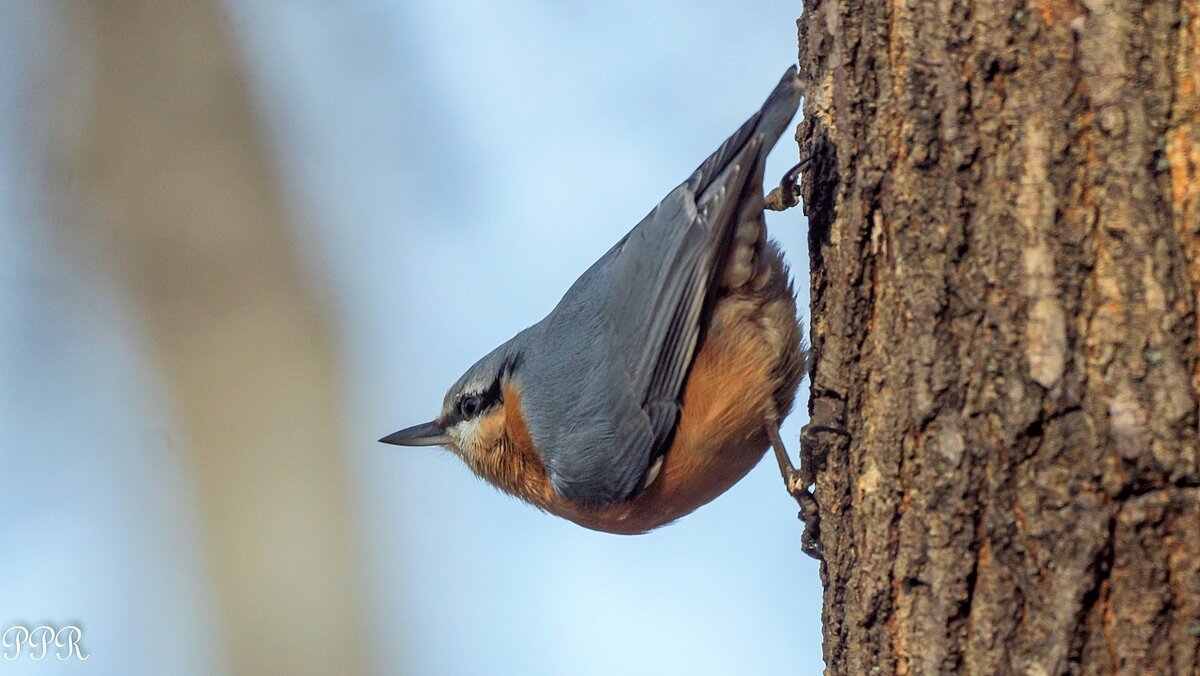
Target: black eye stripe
(510,364)
(471,404)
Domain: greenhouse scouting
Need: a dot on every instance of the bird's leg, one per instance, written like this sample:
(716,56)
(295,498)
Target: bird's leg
(792,479)
(787,195)
(797,481)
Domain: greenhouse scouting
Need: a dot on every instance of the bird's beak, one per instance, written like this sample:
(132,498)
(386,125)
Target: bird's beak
(425,434)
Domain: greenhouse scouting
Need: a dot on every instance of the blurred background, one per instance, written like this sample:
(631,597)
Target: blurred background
(241,241)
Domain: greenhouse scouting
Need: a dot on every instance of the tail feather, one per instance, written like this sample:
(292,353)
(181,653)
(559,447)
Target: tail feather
(770,121)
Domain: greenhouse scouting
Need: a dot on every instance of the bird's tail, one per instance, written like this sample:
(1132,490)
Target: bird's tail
(770,121)
(729,185)
(779,109)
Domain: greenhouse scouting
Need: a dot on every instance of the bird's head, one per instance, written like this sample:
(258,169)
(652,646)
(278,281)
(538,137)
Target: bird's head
(481,422)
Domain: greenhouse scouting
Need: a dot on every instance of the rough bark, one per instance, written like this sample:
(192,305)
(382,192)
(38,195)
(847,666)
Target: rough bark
(1004,206)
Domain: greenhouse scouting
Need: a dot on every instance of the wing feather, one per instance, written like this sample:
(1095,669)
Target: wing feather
(655,287)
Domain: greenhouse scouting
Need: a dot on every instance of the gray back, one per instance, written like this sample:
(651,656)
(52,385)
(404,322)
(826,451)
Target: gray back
(611,359)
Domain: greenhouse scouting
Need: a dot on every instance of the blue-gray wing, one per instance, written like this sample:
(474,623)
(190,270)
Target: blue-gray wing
(649,295)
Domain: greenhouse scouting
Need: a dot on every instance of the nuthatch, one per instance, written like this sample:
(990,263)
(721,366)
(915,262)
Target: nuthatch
(659,379)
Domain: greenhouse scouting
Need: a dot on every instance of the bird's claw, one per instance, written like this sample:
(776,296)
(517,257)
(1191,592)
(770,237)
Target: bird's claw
(787,195)
(797,481)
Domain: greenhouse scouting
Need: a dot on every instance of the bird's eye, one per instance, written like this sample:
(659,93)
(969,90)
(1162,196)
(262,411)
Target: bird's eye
(469,405)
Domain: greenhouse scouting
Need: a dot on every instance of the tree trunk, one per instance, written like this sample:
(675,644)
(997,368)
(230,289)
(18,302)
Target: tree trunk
(1004,204)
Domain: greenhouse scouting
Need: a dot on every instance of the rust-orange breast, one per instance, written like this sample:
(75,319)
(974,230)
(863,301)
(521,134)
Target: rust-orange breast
(745,373)
(729,395)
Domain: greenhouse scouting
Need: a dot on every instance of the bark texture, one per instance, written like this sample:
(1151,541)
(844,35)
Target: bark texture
(1004,206)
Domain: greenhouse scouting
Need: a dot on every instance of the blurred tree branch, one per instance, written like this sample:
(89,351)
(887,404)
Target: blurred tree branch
(176,181)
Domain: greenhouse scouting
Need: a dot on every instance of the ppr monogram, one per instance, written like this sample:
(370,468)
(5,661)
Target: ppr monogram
(39,641)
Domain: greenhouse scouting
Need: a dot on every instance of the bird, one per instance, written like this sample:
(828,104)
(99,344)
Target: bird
(659,379)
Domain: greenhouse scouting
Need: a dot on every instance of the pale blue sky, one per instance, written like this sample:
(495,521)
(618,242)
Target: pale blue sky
(452,167)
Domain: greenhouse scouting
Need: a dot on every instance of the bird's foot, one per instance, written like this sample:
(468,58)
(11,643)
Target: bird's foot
(787,195)
(797,481)
(793,480)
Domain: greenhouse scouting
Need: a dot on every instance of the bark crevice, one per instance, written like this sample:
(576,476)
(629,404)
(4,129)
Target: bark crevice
(1005,242)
